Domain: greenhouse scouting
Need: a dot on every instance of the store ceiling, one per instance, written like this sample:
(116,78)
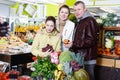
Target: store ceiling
(95,10)
(6,2)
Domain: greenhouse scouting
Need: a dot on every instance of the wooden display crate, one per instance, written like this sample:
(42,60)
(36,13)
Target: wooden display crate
(117,64)
(106,62)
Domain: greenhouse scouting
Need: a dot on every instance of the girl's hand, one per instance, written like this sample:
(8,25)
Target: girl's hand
(40,31)
(47,53)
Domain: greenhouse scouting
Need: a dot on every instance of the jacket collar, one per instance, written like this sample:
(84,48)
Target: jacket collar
(87,14)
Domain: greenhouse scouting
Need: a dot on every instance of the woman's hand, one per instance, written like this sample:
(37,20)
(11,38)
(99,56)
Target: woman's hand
(69,44)
(59,34)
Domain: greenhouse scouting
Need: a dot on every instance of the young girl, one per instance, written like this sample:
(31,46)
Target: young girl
(47,39)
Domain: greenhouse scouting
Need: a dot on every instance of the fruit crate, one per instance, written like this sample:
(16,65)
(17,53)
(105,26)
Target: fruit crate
(115,31)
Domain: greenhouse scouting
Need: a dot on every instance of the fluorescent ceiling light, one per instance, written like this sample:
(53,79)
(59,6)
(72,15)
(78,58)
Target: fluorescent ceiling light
(106,9)
(24,1)
(57,1)
(36,2)
(45,2)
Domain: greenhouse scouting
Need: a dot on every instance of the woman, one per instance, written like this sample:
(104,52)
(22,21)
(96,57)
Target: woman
(65,26)
(48,37)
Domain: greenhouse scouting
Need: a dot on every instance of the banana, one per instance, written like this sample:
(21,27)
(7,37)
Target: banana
(59,75)
(59,66)
(55,72)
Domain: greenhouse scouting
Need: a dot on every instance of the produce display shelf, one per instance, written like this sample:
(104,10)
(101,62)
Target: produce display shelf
(16,59)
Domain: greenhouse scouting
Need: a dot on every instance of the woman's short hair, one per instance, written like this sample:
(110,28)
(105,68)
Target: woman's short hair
(64,6)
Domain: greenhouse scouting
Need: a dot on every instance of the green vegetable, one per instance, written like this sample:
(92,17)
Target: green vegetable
(65,56)
(81,75)
(69,77)
(67,68)
(44,67)
(78,57)
(68,71)
(110,20)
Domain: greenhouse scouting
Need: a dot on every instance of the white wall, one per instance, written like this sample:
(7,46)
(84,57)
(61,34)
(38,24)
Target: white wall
(4,10)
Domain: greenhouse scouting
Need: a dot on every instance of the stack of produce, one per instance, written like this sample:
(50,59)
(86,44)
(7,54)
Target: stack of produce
(70,67)
(11,75)
(25,28)
(73,66)
(3,44)
(43,68)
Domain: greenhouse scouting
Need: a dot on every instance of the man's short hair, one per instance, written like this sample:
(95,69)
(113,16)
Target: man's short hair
(80,2)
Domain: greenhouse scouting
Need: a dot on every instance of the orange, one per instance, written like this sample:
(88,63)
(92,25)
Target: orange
(66,41)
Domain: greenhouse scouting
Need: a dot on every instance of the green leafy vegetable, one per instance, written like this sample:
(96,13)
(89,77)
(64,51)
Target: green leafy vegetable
(65,56)
(78,57)
(44,67)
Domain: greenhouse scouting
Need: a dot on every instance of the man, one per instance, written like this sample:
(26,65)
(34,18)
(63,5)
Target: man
(4,29)
(85,37)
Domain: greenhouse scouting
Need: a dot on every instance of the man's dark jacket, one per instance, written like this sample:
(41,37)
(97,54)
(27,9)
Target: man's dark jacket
(85,38)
